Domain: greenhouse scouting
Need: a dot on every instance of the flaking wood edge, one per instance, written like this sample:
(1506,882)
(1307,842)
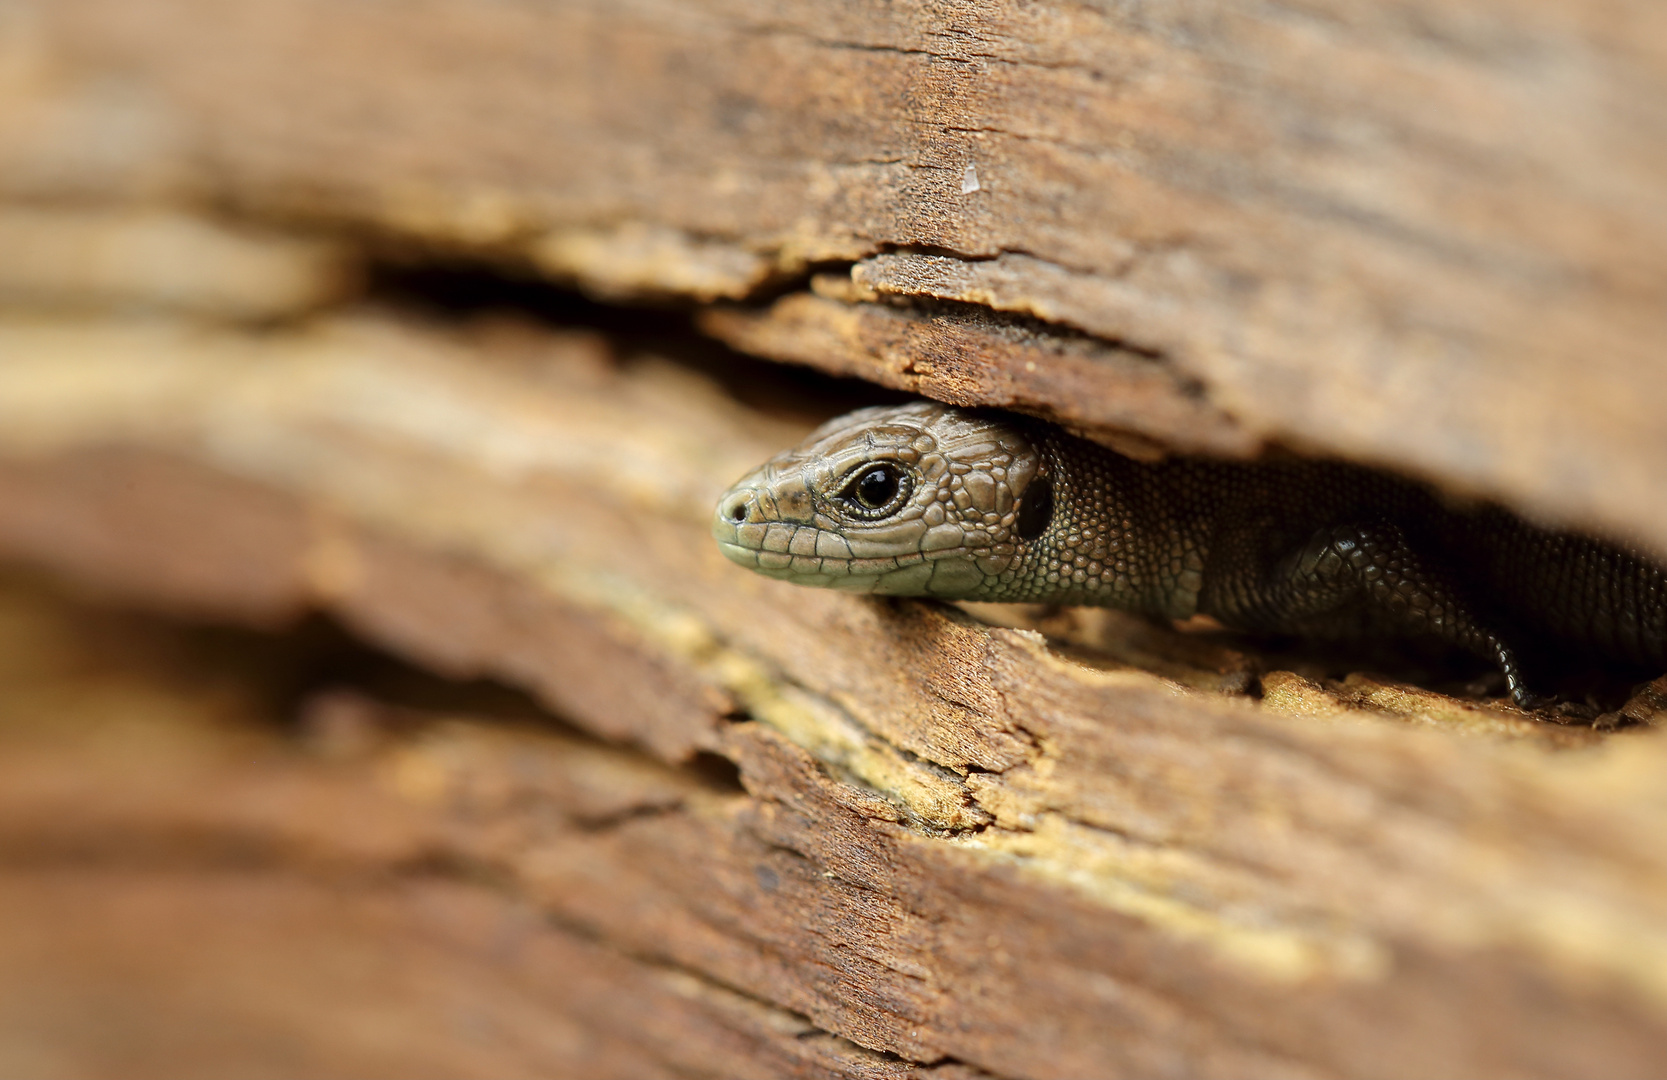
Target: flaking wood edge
(1408,237)
(966,355)
(388,873)
(977,817)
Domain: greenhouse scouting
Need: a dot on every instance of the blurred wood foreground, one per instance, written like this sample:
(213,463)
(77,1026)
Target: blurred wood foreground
(699,823)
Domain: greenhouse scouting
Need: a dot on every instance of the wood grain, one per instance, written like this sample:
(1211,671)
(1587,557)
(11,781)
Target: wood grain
(733,827)
(1406,233)
(958,843)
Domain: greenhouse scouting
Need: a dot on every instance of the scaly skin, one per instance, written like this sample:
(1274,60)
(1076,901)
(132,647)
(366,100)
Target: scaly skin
(929,500)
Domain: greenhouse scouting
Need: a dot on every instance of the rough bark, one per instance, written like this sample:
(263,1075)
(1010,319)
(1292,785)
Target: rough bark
(957,842)
(1408,233)
(963,842)
(190,892)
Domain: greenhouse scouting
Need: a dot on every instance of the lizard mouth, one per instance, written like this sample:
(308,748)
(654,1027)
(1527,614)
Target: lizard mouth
(825,573)
(900,574)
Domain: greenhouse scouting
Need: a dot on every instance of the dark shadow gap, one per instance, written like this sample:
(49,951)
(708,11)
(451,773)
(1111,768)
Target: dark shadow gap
(313,681)
(465,291)
(460,290)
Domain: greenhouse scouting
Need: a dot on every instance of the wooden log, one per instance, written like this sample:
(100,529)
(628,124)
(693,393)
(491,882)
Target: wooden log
(957,843)
(189,893)
(1398,231)
(138,261)
(965,841)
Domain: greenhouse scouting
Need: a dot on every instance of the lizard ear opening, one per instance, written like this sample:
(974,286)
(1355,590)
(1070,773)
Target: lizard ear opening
(1035,509)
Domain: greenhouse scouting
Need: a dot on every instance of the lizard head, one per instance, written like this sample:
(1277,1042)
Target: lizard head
(911,500)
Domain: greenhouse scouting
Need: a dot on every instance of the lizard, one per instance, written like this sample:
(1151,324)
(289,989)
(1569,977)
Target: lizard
(930,500)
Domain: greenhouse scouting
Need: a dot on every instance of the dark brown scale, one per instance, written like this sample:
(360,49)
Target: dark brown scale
(1325,550)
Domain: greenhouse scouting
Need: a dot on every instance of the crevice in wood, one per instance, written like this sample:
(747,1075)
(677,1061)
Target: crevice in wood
(1340,880)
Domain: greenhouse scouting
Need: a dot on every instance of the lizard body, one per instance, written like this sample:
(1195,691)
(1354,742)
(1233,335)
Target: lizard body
(928,500)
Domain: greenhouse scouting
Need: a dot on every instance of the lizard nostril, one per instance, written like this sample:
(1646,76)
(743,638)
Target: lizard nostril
(738,512)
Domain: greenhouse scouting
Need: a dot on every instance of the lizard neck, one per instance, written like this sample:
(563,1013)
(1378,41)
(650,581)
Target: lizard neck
(1122,534)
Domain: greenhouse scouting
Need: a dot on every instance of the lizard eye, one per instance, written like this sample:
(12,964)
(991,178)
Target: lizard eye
(876,491)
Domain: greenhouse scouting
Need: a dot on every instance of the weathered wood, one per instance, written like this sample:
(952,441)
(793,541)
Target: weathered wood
(966,356)
(188,893)
(964,842)
(139,261)
(958,842)
(1412,233)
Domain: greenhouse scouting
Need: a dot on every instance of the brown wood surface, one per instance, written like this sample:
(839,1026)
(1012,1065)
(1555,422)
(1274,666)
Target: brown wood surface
(194,888)
(956,843)
(717,825)
(1409,232)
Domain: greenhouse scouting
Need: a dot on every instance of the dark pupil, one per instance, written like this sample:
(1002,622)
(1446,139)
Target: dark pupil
(877,487)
